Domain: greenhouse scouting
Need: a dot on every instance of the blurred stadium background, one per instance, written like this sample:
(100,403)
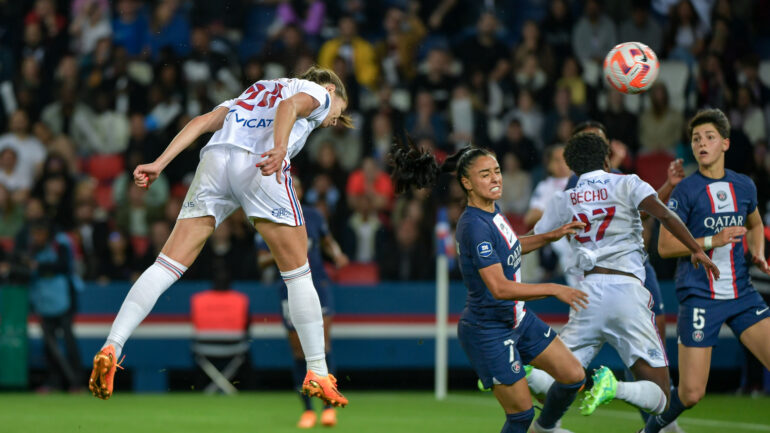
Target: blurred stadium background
(91,88)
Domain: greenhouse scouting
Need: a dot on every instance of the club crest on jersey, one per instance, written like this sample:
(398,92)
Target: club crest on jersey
(722,196)
(672,204)
(484,249)
(697,336)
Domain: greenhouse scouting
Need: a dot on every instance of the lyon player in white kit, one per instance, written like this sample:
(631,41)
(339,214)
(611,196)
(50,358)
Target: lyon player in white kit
(610,252)
(244,165)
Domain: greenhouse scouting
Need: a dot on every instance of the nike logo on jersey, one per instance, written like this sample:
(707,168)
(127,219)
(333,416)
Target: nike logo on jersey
(547,334)
(723,206)
(759,312)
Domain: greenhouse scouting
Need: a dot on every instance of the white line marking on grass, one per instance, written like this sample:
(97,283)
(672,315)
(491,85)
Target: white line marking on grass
(731,425)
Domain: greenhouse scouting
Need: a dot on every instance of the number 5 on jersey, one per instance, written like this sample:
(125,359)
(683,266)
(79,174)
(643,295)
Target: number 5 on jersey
(603,215)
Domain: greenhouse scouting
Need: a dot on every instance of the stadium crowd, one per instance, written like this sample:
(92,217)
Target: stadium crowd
(91,88)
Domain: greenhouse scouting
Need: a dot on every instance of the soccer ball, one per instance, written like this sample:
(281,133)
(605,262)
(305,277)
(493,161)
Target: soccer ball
(631,67)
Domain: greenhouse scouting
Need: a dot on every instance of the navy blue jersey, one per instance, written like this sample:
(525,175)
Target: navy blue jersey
(707,206)
(317,229)
(484,239)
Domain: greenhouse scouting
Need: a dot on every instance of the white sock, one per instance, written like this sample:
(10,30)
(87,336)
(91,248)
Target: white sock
(142,297)
(643,394)
(305,313)
(540,381)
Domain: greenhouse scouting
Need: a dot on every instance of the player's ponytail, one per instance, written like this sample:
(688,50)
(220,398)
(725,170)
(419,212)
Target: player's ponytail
(416,168)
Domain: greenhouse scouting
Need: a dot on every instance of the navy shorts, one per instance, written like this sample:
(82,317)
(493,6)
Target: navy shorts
(324,290)
(700,318)
(498,354)
(651,284)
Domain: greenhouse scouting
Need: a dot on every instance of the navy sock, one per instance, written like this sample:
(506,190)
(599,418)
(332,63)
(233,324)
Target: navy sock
(518,422)
(675,408)
(629,377)
(332,369)
(298,374)
(557,401)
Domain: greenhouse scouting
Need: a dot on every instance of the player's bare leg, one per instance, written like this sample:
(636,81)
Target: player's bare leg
(517,404)
(569,378)
(755,339)
(288,244)
(182,247)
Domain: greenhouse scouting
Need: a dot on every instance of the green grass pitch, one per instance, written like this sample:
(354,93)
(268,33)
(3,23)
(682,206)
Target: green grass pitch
(370,412)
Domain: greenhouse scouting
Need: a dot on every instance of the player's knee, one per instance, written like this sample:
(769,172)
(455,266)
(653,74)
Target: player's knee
(576,373)
(691,396)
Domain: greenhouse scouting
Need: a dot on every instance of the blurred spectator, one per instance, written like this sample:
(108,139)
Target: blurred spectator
(29,150)
(409,257)
(436,77)
(131,27)
(358,54)
(224,247)
(111,128)
(286,49)
(307,15)
(11,212)
(346,142)
(154,197)
(119,262)
(371,186)
(328,182)
(90,22)
(571,78)
(67,115)
(55,187)
(529,115)
(49,257)
(748,76)
(562,109)
(63,146)
(44,35)
(529,75)
(32,89)
(594,34)
(660,126)
(169,28)
(642,28)
(621,124)
(364,236)
(426,121)
(563,131)
(44,13)
(712,86)
(557,30)
(747,116)
(484,50)
(517,186)
(134,215)
(520,145)
(382,137)
(90,236)
(558,174)
(15,179)
(397,51)
(533,54)
(685,33)
(469,123)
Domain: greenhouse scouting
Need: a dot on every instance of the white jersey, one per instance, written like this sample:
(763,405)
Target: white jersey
(608,203)
(249,124)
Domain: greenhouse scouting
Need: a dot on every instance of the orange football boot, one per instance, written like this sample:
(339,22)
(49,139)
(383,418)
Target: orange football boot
(323,387)
(103,374)
(307,420)
(329,417)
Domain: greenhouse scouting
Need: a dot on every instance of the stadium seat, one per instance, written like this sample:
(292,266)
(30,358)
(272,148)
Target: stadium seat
(104,197)
(358,273)
(140,244)
(653,167)
(6,244)
(105,168)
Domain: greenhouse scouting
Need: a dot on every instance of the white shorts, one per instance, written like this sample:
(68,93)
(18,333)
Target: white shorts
(227,178)
(618,313)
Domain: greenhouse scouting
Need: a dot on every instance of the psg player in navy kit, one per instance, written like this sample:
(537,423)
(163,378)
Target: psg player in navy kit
(719,207)
(497,333)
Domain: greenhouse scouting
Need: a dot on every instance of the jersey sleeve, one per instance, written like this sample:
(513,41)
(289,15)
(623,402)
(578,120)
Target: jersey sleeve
(555,214)
(638,189)
(751,189)
(319,94)
(679,203)
(480,244)
(227,104)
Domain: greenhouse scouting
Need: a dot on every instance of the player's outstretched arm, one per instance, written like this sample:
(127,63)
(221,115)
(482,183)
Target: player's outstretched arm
(756,239)
(145,174)
(532,242)
(503,288)
(671,222)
